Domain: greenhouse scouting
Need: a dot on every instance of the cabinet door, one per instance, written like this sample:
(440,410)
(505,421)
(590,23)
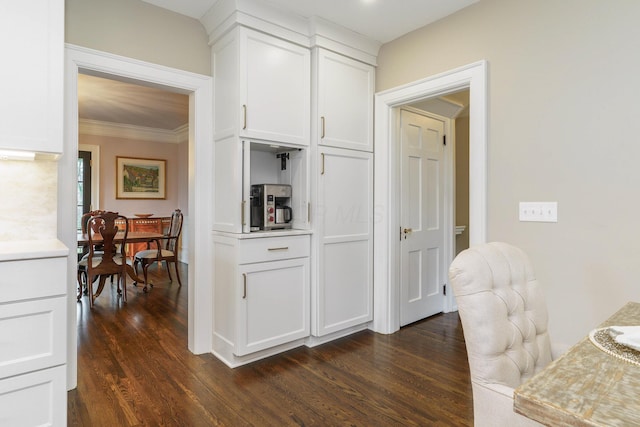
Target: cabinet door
(345,101)
(275,88)
(344,295)
(36,398)
(274,304)
(31,76)
(229,206)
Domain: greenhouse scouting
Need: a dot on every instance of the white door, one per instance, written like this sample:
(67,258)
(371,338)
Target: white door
(422,230)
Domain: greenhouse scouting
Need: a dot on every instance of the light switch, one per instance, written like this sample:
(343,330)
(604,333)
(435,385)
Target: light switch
(538,211)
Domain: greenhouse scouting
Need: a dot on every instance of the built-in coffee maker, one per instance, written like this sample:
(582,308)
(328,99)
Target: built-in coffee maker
(270,207)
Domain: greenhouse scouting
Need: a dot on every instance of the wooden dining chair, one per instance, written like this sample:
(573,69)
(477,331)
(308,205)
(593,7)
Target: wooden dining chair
(111,259)
(167,252)
(82,265)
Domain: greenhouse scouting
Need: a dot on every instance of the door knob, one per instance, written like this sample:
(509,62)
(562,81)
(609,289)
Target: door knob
(407,230)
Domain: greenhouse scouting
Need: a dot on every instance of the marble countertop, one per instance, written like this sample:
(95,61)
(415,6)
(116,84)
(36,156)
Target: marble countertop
(32,249)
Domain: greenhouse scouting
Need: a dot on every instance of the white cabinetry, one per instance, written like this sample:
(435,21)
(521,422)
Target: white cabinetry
(262,102)
(343,295)
(344,97)
(261,296)
(33,333)
(262,87)
(31,76)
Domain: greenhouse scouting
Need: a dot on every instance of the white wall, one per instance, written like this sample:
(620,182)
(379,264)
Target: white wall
(562,94)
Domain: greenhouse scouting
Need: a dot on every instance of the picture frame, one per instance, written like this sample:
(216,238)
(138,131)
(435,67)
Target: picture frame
(139,178)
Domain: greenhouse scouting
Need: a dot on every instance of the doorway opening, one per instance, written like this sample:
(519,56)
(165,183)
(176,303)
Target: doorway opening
(198,88)
(387,244)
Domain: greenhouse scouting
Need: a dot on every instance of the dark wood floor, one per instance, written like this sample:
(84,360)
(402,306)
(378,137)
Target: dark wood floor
(134,369)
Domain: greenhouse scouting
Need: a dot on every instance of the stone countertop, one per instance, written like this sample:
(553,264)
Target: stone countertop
(585,386)
(32,249)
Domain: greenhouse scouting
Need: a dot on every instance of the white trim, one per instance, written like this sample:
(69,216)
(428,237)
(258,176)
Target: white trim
(131,132)
(95,173)
(386,247)
(199,88)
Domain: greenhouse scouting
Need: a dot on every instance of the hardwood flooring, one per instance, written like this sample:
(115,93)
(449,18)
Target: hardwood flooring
(134,369)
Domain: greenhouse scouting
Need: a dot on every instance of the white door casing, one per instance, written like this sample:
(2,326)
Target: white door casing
(387,220)
(199,87)
(422,213)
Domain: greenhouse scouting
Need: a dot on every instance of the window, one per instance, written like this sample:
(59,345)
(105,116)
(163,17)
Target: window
(84,185)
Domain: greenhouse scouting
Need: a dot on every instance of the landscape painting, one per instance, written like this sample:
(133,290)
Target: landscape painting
(140,178)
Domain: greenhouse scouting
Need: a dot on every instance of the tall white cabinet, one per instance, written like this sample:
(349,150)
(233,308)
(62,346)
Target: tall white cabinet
(343,193)
(285,84)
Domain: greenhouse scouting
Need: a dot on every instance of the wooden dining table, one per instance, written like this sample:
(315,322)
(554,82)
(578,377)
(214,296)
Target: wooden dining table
(586,386)
(132,237)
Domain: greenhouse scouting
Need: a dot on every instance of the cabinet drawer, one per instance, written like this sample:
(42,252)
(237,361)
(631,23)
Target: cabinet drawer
(35,399)
(32,335)
(273,248)
(32,278)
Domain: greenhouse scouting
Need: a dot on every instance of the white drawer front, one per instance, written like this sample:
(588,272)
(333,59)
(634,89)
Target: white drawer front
(273,248)
(32,335)
(34,399)
(32,278)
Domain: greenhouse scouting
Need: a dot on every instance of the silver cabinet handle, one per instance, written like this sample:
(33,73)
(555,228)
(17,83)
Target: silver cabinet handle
(284,248)
(244,116)
(322,168)
(244,203)
(322,127)
(244,290)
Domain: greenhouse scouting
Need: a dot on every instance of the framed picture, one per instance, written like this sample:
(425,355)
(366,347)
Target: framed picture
(140,178)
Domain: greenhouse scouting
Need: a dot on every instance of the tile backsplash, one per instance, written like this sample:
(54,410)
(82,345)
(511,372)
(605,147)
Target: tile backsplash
(28,200)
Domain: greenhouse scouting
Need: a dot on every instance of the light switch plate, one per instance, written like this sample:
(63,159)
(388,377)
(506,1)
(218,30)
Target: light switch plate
(538,211)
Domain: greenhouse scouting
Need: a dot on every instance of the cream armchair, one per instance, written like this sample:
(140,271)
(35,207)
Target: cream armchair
(504,319)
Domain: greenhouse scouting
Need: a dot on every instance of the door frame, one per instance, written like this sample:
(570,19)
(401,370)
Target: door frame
(387,174)
(199,88)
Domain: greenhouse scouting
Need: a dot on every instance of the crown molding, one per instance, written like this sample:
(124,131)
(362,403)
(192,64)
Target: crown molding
(125,131)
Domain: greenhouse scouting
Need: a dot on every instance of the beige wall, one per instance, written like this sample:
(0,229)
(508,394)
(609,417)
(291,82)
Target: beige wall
(176,167)
(462,181)
(562,105)
(138,30)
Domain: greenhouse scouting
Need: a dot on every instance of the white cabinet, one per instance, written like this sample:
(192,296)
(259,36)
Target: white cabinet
(31,76)
(33,333)
(343,296)
(262,102)
(274,305)
(261,296)
(344,90)
(262,88)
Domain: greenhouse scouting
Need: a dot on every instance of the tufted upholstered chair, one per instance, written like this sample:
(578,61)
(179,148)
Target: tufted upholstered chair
(504,319)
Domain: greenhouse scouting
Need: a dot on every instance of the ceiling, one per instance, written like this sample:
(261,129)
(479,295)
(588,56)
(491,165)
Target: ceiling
(381,20)
(110,101)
